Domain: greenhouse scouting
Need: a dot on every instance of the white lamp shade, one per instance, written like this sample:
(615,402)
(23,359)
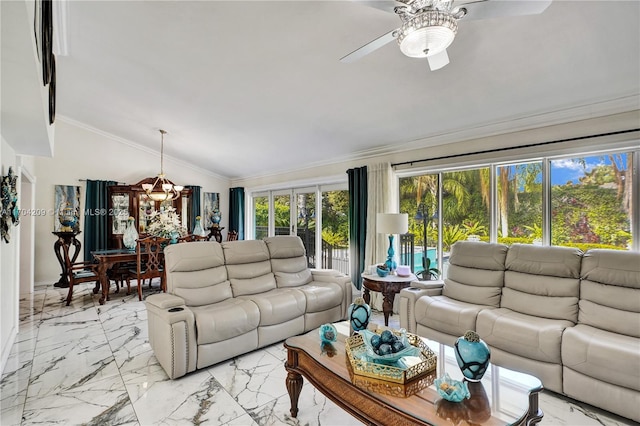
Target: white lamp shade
(392,223)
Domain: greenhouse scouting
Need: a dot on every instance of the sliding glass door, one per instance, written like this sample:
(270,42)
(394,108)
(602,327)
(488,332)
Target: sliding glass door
(316,214)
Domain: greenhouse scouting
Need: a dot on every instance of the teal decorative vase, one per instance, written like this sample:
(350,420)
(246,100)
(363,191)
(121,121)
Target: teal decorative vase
(473,355)
(359,314)
(174,237)
(216,217)
(130,235)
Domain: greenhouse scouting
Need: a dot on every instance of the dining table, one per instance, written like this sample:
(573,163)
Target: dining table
(106,259)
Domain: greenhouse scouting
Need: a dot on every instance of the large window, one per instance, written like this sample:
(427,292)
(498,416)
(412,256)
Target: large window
(591,201)
(581,201)
(519,203)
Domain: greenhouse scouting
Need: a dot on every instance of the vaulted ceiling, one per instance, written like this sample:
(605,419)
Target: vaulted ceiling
(251,88)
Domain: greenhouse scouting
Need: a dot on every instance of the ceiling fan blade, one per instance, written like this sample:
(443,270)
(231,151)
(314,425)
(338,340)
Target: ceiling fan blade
(369,47)
(487,9)
(386,5)
(438,60)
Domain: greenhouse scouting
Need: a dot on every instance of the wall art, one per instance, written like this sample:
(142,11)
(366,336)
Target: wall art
(10,211)
(67,209)
(211,209)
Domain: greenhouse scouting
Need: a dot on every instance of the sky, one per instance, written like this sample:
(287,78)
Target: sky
(565,170)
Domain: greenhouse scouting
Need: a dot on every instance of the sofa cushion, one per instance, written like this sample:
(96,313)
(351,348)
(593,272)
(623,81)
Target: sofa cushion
(606,356)
(285,247)
(554,261)
(291,272)
(524,335)
(321,296)
(196,272)
(476,273)
(288,261)
(244,251)
(478,255)
(253,285)
(278,305)
(542,281)
(225,320)
(248,267)
(446,315)
(610,291)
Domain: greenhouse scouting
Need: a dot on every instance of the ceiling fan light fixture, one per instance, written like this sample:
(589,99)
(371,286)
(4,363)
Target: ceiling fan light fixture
(427,34)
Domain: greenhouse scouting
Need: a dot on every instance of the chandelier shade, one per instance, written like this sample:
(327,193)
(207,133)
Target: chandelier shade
(427,34)
(162,189)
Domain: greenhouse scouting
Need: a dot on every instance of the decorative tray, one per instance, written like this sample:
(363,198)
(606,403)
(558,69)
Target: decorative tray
(357,355)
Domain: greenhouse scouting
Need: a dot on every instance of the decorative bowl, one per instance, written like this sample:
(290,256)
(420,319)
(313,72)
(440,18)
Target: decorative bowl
(451,390)
(390,359)
(382,272)
(403,271)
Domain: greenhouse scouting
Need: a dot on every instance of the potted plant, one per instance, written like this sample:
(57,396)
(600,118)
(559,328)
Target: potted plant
(428,272)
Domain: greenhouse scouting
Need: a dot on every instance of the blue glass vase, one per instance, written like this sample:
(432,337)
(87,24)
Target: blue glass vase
(472,355)
(359,314)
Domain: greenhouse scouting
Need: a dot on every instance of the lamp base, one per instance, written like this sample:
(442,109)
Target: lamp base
(390,262)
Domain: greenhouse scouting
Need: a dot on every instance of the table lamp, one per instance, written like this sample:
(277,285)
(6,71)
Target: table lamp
(392,223)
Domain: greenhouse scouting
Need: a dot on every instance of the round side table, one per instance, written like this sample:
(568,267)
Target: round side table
(389,286)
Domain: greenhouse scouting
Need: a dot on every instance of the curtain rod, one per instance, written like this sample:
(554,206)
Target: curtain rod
(117,183)
(487,151)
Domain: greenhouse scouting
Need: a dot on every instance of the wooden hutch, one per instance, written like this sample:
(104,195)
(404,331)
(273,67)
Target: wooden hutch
(132,200)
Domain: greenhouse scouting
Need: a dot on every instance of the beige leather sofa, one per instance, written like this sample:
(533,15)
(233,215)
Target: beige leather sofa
(568,318)
(227,299)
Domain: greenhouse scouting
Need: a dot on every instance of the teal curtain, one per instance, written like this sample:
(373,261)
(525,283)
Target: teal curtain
(236,211)
(194,208)
(95,224)
(357,221)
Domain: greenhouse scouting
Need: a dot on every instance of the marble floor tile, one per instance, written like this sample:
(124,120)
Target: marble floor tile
(92,364)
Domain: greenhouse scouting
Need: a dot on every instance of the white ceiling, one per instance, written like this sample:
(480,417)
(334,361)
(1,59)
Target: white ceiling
(251,88)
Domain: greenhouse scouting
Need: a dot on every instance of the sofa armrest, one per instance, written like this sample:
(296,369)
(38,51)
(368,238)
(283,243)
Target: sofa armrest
(434,287)
(164,301)
(333,276)
(172,333)
(408,298)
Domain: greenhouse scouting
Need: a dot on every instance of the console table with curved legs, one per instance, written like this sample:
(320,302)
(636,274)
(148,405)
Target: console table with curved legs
(68,238)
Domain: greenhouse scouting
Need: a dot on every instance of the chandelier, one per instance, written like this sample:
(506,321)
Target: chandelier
(162,189)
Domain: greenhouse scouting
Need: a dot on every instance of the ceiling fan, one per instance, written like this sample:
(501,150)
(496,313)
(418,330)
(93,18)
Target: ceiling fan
(429,26)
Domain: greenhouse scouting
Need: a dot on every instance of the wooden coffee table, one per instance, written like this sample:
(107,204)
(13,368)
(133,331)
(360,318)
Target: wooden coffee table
(502,397)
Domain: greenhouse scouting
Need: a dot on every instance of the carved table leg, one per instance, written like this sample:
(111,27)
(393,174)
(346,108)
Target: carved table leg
(293,381)
(294,387)
(387,305)
(366,295)
(104,281)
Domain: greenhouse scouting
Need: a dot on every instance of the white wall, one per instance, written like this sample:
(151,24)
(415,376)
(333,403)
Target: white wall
(27,224)
(9,275)
(81,153)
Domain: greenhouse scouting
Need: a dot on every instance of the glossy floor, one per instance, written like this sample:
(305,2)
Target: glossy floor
(92,364)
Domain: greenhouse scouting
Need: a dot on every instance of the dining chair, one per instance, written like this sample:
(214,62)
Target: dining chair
(232,236)
(79,272)
(192,237)
(149,262)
